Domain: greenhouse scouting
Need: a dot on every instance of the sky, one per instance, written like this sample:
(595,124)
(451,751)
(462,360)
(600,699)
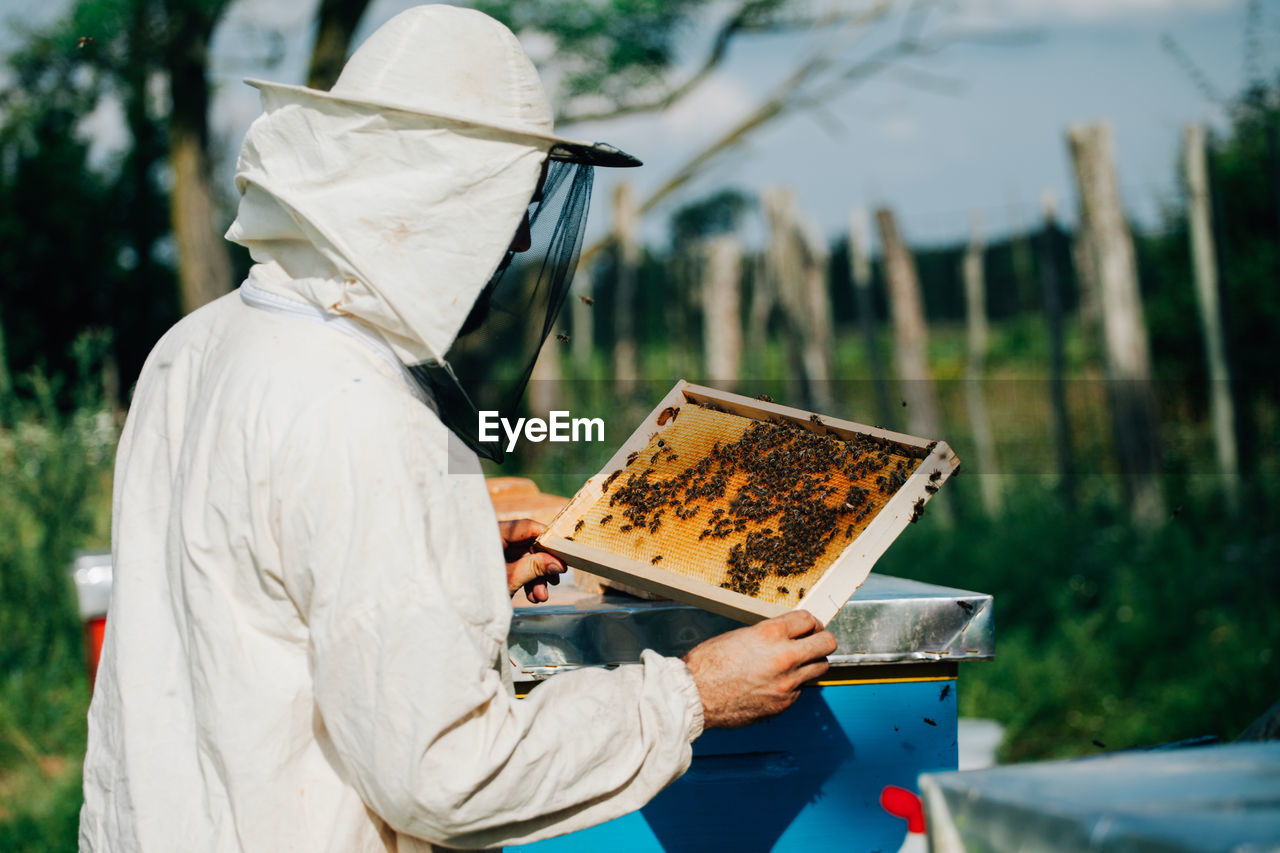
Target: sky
(991,144)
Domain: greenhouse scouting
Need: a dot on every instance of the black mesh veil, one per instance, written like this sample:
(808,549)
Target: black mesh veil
(489,364)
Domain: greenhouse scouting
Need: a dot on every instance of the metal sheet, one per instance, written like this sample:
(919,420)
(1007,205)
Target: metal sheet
(1207,798)
(888,620)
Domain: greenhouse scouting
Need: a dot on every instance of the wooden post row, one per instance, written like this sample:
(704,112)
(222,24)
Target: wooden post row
(1124,332)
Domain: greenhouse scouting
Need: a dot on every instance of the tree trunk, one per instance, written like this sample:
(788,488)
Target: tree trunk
(336,21)
(975,299)
(204,266)
(1052,297)
(721,309)
(860,275)
(1124,332)
(910,332)
(1205,265)
(625,367)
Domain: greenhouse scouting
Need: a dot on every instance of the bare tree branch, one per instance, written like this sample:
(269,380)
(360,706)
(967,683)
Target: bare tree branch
(825,80)
(745,19)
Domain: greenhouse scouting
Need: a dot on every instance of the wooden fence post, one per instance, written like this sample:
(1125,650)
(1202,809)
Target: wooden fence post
(1052,296)
(6,381)
(583,317)
(1205,266)
(975,300)
(909,331)
(798,270)
(545,392)
(860,275)
(626,241)
(759,311)
(1124,332)
(721,308)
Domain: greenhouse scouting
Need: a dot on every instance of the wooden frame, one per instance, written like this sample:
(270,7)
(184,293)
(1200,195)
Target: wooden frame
(841,579)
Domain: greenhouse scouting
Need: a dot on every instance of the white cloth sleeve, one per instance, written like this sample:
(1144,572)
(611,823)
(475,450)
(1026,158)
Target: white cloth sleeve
(397,567)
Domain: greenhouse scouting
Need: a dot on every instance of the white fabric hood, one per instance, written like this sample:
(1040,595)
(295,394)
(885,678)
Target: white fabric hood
(393,198)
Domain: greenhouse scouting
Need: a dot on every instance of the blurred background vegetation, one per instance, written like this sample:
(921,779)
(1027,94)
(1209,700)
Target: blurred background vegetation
(1111,632)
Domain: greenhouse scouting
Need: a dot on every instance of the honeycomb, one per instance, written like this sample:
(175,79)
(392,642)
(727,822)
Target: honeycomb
(759,507)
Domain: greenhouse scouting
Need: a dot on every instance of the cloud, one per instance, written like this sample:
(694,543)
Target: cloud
(1090,11)
(717,103)
(899,128)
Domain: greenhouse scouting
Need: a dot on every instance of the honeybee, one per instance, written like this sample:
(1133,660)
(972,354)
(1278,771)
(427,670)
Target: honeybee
(587,300)
(562,337)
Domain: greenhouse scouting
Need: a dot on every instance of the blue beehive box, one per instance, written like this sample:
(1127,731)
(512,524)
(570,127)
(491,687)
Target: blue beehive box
(810,778)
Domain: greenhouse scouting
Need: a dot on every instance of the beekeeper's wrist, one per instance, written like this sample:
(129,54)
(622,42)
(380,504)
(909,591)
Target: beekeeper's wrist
(681,679)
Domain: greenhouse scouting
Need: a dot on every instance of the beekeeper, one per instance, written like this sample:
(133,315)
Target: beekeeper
(306,648)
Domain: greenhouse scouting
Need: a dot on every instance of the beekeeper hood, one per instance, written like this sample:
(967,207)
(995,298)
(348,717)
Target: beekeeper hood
(428,197)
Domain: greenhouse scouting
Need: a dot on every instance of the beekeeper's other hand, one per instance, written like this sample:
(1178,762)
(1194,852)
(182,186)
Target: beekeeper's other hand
(755,672)
(527,568)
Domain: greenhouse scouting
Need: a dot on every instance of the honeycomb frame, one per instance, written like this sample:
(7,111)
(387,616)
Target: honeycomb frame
(822,593)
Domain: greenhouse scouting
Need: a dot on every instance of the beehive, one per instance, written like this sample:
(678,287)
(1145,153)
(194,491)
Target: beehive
(748,508)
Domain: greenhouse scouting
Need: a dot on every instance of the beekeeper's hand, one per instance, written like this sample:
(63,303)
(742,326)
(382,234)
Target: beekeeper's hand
(756,672)
(526,568)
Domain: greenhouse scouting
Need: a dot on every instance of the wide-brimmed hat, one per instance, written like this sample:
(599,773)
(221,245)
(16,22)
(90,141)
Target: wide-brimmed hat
(460,67)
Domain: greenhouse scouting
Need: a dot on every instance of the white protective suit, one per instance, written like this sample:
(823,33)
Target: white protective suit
(306,648)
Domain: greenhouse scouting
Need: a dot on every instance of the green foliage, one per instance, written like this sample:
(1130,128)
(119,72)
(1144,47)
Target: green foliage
(81,243)
(718,213)
(1110,634)
(54,498)
(611,50)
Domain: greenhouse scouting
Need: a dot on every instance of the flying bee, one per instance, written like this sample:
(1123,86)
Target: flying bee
(587,300)
(84,41)
(562,337)
(930,722)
